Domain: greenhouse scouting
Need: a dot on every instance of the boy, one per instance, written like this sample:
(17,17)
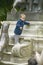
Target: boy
(19,27)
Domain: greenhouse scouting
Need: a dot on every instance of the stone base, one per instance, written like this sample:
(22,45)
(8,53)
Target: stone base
(19,60)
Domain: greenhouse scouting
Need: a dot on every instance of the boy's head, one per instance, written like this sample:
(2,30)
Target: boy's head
(22,17)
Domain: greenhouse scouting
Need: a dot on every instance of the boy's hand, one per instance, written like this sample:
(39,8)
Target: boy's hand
(28,24)
(21,28)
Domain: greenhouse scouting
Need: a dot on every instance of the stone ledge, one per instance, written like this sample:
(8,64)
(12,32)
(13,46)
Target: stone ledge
(31,22)
(27,35)
(11,63)
(9,53)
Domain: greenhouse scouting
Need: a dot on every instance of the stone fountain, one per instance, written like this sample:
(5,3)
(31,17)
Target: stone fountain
(30,41)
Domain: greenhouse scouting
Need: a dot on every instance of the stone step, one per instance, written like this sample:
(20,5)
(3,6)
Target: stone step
(11,63)
(26,35)
(31,22)
(27,38)
(40,38)
(7,63)
(9,53)
(19,60)
(34,27)
(6,56)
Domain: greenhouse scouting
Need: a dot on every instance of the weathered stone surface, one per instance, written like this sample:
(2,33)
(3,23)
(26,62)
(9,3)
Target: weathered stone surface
(33,10)
(21,50)
(31,36)
(4,36)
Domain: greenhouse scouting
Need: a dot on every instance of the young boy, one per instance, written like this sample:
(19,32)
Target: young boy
(19,27)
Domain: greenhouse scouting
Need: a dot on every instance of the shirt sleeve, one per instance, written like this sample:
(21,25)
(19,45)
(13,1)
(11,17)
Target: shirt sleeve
(26,23)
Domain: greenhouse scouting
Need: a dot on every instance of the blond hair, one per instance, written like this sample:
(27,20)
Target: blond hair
(22,16)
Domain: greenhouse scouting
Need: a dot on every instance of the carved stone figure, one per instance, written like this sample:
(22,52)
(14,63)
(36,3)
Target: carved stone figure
(4,37)
(32,6)
(21,50)
(37,5)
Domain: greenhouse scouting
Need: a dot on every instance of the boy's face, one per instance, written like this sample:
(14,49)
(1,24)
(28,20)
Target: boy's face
(23,18)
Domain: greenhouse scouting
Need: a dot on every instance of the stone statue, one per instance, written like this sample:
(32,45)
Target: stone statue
(4,37)
(22,50)
(15,3)
(36,1)
(32,6)
(37,4)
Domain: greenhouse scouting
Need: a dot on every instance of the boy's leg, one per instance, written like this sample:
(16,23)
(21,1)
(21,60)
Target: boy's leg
(16,38)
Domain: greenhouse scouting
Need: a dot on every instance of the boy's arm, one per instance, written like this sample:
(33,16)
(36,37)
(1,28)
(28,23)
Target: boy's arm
(26,23)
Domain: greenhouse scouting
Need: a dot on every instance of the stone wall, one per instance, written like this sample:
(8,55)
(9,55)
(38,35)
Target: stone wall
(31,16)
(32,8)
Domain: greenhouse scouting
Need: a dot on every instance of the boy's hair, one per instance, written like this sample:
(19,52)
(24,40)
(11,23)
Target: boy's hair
(22,15)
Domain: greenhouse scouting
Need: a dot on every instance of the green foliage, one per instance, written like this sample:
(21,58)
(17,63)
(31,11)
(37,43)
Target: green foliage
(5,6)
(0,24)
(2,14)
